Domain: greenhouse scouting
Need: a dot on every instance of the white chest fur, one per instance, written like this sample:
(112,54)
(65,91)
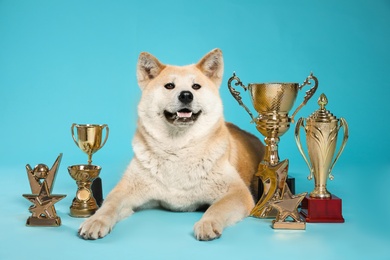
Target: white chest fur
(183,178)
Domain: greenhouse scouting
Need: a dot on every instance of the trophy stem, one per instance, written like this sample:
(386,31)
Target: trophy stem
(84,204)
(271,150)
(89,159)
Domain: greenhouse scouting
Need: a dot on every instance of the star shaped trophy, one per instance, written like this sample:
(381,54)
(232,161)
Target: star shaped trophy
(288,208)
(41,180)
(321,130)
(89,195)
(272,101)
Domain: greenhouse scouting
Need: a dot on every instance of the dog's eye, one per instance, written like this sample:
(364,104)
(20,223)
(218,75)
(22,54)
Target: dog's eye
(169,86)
(196,86)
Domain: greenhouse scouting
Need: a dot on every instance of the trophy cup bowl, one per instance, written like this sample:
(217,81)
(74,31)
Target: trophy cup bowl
(278,97)
(84,204)
(89,138)
(273,102)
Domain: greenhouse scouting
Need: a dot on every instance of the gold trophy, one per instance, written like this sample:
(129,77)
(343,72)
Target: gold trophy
(89,138)
(321,130)
(89,194)
(41,180)
(84,204)
(272,101)
(288,208)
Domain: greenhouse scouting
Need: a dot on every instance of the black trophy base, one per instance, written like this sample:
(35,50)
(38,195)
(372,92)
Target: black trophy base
(97,191)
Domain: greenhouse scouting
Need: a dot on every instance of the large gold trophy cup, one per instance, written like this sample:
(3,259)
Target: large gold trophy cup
(273,102)
(89,194)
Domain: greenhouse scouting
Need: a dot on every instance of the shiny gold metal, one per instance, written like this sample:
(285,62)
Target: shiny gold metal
(89,138)
(271,175)
(288,207)
(273,102)
(84,204)
(41,180)
(321,130)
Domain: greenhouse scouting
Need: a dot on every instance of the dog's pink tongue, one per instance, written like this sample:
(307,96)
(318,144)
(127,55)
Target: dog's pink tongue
(184,114)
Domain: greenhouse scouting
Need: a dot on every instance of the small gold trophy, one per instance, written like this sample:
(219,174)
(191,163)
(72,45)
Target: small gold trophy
(41,180)
(321,130)
(89,140)
(286,208)
(272,101)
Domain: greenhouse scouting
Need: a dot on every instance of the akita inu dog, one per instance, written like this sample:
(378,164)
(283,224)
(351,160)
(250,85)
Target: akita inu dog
(185,155)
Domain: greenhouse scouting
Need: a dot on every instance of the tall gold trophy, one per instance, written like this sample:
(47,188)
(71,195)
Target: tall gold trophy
(273,102)
(89,194)
(321,130)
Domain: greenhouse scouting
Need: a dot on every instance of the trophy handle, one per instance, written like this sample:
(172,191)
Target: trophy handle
(107,131)
(72,129)
(298,141)
(309,93)
(237,95)
(344,125)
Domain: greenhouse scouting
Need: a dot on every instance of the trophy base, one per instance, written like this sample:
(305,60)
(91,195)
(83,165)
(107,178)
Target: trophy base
(322,210)
(43,222)
(81,213)
(288,225)
(97,191)
(291,184)
(83,209)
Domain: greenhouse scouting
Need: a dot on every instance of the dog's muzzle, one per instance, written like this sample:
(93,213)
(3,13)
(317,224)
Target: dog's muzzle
(182,116)
(185,115)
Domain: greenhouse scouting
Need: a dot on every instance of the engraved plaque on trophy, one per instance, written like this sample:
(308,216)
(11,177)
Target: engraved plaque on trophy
(321,131)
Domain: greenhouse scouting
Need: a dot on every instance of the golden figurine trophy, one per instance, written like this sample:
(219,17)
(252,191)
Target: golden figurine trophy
(89,194)
(41,180)
(321,130)
(288,208)
(272,101)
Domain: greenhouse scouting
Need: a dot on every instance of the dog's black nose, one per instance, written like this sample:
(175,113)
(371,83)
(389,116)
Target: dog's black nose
(186,97)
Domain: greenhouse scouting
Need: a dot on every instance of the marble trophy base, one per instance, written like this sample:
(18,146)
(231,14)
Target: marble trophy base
(315,210)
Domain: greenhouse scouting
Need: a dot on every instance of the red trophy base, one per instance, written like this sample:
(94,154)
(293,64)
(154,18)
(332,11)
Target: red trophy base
(322,210)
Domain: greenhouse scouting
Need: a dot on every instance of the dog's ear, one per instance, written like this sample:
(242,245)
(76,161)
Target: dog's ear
(148,67)
(212,66)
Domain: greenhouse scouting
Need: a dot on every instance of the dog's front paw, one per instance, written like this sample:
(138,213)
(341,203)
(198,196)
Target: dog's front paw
(207,230)
(95,227)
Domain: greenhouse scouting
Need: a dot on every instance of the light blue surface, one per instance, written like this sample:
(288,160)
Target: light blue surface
(74,61)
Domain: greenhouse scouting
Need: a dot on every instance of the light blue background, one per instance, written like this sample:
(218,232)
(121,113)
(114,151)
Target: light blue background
(64,62)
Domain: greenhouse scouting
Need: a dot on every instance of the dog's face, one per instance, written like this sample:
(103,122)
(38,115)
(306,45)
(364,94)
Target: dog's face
(179,97)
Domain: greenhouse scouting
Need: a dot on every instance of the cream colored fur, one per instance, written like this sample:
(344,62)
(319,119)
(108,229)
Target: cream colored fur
(183,165)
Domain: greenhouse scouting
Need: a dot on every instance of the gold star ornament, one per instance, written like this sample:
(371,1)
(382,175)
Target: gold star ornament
(287,209)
